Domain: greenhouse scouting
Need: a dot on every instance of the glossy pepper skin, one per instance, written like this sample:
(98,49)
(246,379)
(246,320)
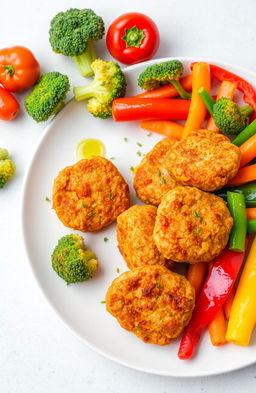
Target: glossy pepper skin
(19,69)
(215,291)
(9,106)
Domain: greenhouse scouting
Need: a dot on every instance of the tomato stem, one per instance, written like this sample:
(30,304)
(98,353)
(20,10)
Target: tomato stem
(133,37)
(8,69)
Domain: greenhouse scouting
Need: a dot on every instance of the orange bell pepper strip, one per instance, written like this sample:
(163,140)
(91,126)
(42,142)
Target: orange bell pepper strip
(196,275)
(244,175)
(217,329)
(248,151)
(163,127)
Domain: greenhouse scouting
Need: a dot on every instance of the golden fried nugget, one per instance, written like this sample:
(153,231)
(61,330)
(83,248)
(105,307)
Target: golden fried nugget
(151,178)
(152,302)
(192,225)
(205,159)
(90,194)
(135,237)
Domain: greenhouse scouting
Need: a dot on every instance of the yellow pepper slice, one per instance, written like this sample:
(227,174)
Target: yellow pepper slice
(243,312)
(201,77)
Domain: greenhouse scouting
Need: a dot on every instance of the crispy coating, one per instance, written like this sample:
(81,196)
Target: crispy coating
(151,178)
(90,194)
(192,225)
(152,302)
(205,159)
(135,237)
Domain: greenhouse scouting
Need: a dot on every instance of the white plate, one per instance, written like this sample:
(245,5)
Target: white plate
(79,305)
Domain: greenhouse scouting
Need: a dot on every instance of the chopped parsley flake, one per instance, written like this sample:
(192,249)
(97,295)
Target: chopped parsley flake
(162,180)
(132,168)
(149,134)
(105,239)
(197,230)
(158,173)
(158,285)
(47,199)
(117,270)
(84,205)
(112,158)
(103,301)
(137,328)
(197,215)
(111,196)
(90,214)
(126,139)
(139,153)
(139,144)
(138,247)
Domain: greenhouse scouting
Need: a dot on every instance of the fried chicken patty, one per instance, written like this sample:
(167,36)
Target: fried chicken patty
(135,237)
(191,225)
(152,302)
(90,194)
(205,159)
(151,178)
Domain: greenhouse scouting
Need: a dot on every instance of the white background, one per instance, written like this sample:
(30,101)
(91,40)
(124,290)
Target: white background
(37,353)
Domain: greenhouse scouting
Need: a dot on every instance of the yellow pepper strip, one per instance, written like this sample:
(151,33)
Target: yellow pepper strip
(243,312)
(201,77)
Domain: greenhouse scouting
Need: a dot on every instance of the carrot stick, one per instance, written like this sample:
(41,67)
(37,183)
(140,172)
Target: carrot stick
(244,175)
(196,274)
(168,91)
(217,329)
(227,89)
(251,213)
(200,78)
(163,127)
(228,303)
(248,151)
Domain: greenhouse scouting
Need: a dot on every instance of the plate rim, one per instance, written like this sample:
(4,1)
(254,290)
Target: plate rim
(25,242)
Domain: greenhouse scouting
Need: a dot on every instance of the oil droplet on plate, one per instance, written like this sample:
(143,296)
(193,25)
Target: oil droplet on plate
(88,148)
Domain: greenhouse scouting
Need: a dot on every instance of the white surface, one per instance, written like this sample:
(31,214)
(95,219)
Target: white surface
(37,354)
(68,301)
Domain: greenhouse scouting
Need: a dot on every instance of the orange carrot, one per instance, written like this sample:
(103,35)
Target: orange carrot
(168,91)
(227,89)
(196,274)
(228,303)
(200,78)
(244,175)
(248,151)
(163,127)
(217,329)
(251,213)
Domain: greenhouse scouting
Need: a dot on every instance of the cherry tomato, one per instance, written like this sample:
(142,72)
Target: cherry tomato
(132,38)
(9,106)
(18,68)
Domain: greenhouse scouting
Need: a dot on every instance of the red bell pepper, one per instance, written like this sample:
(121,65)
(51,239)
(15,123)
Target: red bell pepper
(215,291)
(131,109)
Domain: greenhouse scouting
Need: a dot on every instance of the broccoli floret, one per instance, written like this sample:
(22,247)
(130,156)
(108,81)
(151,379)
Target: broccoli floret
(160,74)
(72,33)
(109,83)
(71,261)
(48,96)
(7,167)
(229,117)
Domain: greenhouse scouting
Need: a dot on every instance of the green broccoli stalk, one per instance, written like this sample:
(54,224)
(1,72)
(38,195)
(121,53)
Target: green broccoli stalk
(229,117)
(160,74)
(7,167)
(109,83)
(48,96)
(71,261)
(72,33)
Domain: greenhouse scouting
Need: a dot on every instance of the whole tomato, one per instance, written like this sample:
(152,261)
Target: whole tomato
(132,38)
(9,106)
(19,69)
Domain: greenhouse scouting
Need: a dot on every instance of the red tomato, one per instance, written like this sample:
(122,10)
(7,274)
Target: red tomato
(9,106)
(132,38)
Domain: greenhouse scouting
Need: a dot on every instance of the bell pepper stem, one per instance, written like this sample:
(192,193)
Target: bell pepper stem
(8,69)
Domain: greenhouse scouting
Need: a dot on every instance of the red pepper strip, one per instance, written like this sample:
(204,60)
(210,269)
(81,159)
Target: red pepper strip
(215,291)
(130,109)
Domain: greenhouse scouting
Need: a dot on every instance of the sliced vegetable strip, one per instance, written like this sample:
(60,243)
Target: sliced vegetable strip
(251,226)
(215,291)
(236,205)
(247,133)
(163,127)
(248,151)
(243,313)
(196,274)
(130,109)
(227,89)
(244,175)
(200,78)
(228,303)
(251,213)
(248,190)
(207,99)
(217,329)
(168,91)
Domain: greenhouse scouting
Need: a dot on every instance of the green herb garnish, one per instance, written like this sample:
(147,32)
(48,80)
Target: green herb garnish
(162,180)
(111,196)
(90,214)
(47,199)
(139,144)
(117,270)
(105,239)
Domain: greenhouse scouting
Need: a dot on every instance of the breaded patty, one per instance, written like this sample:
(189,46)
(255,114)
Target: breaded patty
(151,178)
(205,159)
(152,302)
(135,237)
(192,225)
(90,194)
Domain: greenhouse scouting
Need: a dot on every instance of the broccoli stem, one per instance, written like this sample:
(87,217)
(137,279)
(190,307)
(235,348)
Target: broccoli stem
(246,110)
(207,99)
(85,60)
(92,89)
(183,93)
